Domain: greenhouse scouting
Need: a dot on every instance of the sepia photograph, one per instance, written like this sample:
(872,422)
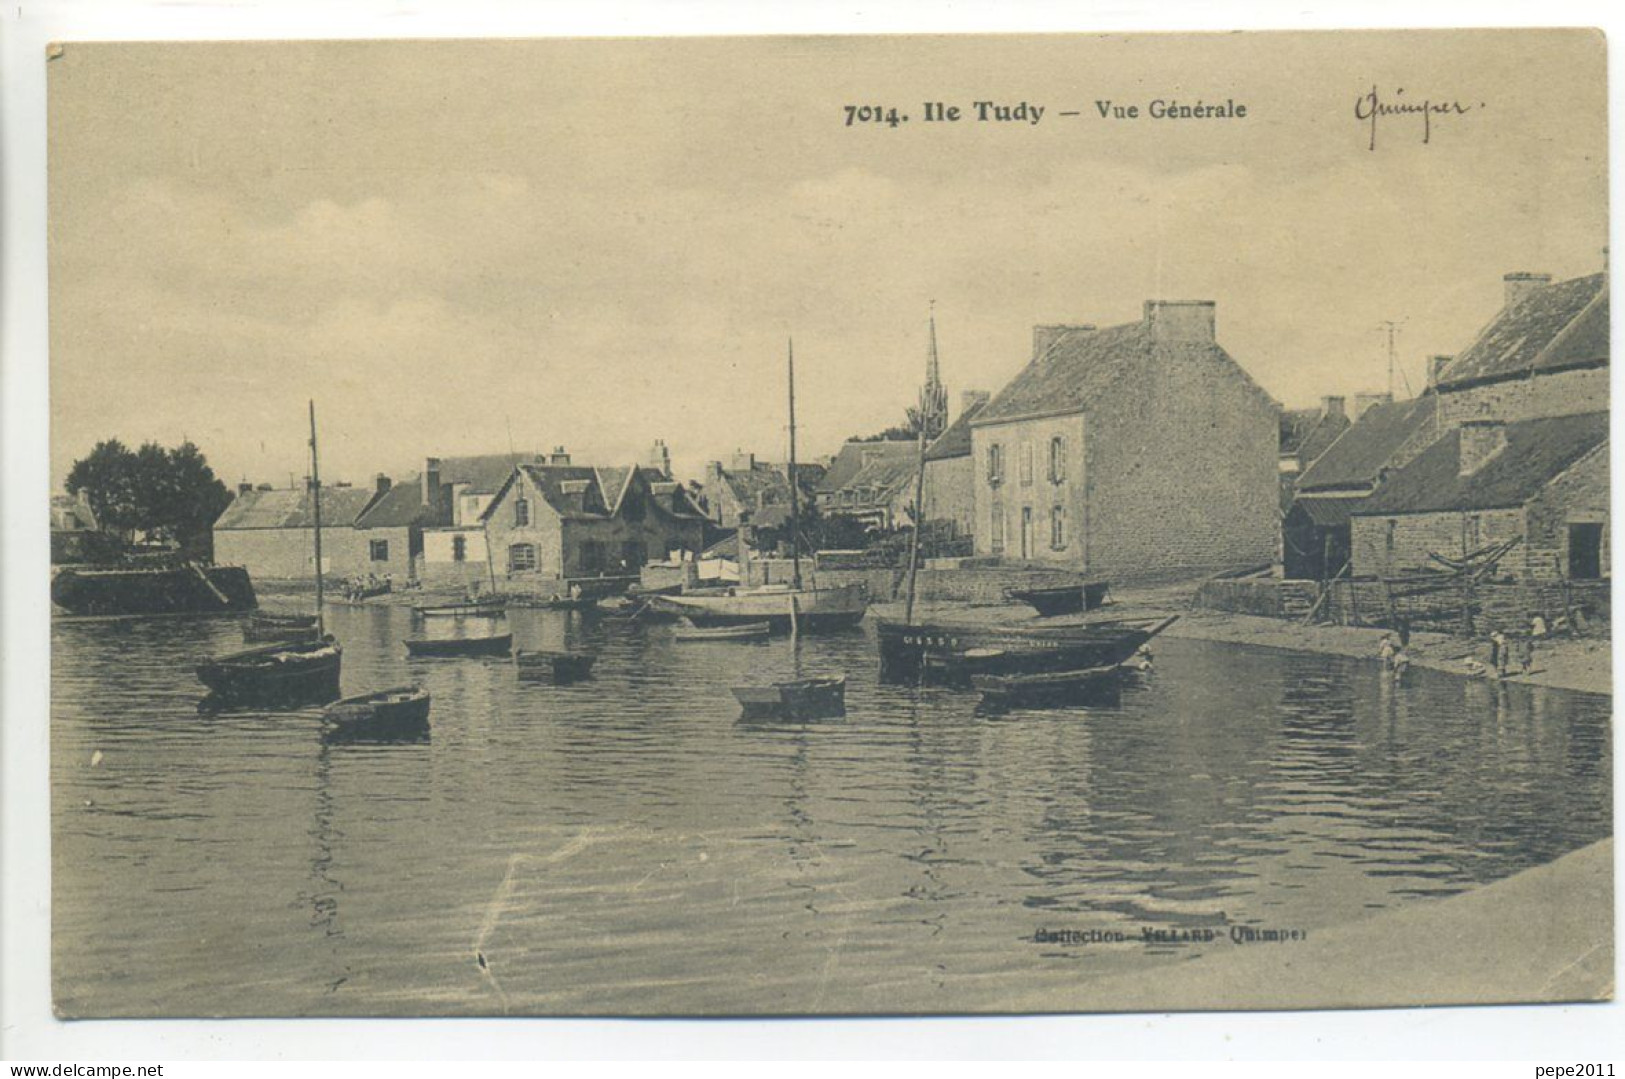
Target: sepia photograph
(877,525)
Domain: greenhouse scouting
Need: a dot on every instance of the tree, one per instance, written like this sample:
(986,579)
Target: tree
(168,494)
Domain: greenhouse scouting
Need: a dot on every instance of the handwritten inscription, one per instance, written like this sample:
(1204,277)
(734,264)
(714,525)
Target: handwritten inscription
(1371,107)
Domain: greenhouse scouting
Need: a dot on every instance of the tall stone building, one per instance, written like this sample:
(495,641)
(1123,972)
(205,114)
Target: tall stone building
(1136,450)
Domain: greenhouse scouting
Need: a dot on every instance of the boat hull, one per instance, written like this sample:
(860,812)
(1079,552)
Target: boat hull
(462,610)
(1072,599)
(176,590)
(745,631)
(909,652)
(293,673)
(401,712)
(497,645)
(556,668)
(816,610)
(1100,686)
(807,698)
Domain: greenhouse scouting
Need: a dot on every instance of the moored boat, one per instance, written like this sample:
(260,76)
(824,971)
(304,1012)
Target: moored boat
(402,709)
(496,644)
(1098,685)
(803,698)
(952,650)
(745,631)
(485,608)
(286,673)
(559,668)
(783,609)
(262,626)
(1067,599)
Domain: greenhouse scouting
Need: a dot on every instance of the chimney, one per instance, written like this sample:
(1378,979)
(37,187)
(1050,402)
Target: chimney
(559,457)
(1520,285)
(431,481)
(1181,322)
(1332,406)
(1481,440)
(742,461)
(660,458)
(244,488)
(1046,335)
(972,399)
(1365,402)
(381,483)
(1436,366)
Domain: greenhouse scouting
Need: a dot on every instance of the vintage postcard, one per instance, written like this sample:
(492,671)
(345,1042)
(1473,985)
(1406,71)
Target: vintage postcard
(830,525)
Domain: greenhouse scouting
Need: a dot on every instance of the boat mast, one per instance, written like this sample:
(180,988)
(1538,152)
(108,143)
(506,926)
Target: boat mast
(795,499)
(919,476)
(316,502)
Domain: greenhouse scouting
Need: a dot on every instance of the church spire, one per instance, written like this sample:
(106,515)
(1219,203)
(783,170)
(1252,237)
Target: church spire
(933,409)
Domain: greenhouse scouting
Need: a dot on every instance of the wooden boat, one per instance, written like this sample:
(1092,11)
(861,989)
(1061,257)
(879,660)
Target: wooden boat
(401,709)
(289,672)
(280,627)
(745,631)
(484,608)
(559,668)
(496,644)
(908,651)
(1081,686)
(1067,599)
(184,589)
(362,592)
(809,609)
(804,698)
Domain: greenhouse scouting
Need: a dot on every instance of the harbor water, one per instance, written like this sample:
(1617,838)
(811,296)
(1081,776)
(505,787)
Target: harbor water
(626,845)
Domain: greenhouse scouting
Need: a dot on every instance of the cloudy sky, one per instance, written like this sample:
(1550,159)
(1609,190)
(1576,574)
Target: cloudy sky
(596,243)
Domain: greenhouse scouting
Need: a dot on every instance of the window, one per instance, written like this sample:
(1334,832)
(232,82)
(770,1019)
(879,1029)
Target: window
(380,550)
(521,512)
(521,557)
(1585,551)
(995,465)
(1392,527)
(459,548)
(1057,528)
(1057,459)
(996,532)
(1471,530)
(1026,464)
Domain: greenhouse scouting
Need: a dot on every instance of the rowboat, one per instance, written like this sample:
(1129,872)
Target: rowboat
(401,710)
(285,673)
(280,627)
(496,644)
(806,609)
(1068,599)
(1098,685)
(908,651)
(745,631)
(804,698)
(559,668)
(485,608)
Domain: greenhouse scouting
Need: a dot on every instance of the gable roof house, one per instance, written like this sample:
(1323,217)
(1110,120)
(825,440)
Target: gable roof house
(556,522)
(1137,450)
(1541,481)
(739,493)
(1316,542)
(870,481)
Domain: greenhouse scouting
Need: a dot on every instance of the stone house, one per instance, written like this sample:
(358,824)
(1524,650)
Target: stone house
(557,521)
(459,489)
(1316,542)
(950,481)
(392,528)
(872,482)
(741,491)
(1136,450)
(270,532)
(1543,481)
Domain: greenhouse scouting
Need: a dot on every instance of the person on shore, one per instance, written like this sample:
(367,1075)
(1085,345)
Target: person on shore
(1404,628)
(1526,652)
(1400,661)
(1537,625)
(1386,651)
(1498,654)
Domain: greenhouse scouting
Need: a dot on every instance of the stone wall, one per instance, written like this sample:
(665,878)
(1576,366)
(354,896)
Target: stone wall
(1385,546)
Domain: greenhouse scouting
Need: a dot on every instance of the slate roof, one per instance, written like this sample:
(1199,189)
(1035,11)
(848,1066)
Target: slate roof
(1536,452)
(1082,365)
(398,507)
(1356,458)
(581,492)
(747,485)
(286,508)
(884,476)
(485,474)
(955,438)
(850,461)
(1553,327)
(1306,432)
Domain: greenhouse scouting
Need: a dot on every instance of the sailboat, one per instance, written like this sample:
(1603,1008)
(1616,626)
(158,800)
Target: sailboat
(795,608)
(289,672)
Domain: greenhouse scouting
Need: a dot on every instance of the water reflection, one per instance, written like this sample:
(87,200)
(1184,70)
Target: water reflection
(912,839)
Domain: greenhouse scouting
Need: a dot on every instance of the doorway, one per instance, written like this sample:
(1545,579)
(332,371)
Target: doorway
(1026,532)
(1585,551)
